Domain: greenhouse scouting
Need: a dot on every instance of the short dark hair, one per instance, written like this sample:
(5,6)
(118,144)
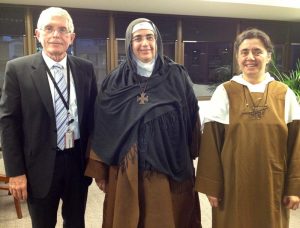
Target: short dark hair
(253,33)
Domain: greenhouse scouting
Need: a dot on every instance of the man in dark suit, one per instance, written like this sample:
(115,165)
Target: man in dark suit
(45,124)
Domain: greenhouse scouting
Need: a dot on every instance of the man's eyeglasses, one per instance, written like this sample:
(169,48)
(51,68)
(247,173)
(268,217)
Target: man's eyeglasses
(138,38)
(51,30)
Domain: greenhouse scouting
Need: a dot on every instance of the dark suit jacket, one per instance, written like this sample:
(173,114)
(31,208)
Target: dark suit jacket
(27,118)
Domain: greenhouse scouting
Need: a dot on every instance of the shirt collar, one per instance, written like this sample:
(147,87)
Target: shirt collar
(259,87)
(50,62)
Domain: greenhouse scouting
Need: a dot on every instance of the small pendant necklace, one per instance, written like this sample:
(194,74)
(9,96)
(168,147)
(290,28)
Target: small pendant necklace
(257,111)
(143,98)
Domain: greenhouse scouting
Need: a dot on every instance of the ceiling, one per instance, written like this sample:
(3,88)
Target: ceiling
(282,10)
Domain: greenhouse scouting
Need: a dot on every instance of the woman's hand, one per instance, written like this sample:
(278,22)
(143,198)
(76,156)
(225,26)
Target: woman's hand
(214,202)
(291,202)
(101,184)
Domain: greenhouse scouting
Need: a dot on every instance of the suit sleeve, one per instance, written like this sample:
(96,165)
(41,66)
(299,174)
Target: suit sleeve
(11,123)
(93,95)
(92,98)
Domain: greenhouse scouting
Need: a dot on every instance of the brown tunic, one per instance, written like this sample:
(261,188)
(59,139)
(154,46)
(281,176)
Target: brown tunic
(250,164)
(136,199)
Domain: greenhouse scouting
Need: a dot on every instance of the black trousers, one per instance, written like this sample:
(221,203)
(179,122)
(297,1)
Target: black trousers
(70,186)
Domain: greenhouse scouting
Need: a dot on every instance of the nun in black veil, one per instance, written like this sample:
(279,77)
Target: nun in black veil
(146,135)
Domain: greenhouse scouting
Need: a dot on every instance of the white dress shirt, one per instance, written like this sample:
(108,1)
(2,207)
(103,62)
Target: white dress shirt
(73,112)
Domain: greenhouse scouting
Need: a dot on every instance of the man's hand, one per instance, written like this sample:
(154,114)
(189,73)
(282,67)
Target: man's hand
(101,184)
(18,187)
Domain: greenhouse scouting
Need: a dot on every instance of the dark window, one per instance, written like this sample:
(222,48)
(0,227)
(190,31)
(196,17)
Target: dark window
(278,31)
(295,32)
(204,29)
(90,23)
(208,62)
(94,50)
(91,28)
(208,52)
(278,56)
(295,44)
(12,30)
(121,51)
(36,11)
(295,55)
(12,21)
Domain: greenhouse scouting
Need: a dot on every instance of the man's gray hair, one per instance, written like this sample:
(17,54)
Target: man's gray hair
(48,13)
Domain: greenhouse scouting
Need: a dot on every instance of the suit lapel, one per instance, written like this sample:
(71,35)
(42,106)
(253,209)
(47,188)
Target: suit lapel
(77,73)
(41,83)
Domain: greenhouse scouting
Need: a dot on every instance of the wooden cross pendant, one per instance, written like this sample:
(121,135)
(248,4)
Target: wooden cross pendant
(258,112)
(142,99)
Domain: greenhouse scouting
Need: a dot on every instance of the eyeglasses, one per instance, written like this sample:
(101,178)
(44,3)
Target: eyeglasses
(138,38)
(60,30)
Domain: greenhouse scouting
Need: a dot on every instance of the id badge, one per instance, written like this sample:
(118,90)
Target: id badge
(69,139)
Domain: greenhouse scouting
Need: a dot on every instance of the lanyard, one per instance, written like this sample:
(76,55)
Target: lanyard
(56,86)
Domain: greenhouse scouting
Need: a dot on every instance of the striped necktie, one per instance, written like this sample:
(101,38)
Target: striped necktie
(61,112)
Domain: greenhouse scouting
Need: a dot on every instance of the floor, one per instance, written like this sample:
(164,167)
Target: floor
(8,217)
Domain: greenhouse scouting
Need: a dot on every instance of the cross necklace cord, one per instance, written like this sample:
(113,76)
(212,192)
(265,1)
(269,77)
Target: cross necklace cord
(143,98)
(257,111)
